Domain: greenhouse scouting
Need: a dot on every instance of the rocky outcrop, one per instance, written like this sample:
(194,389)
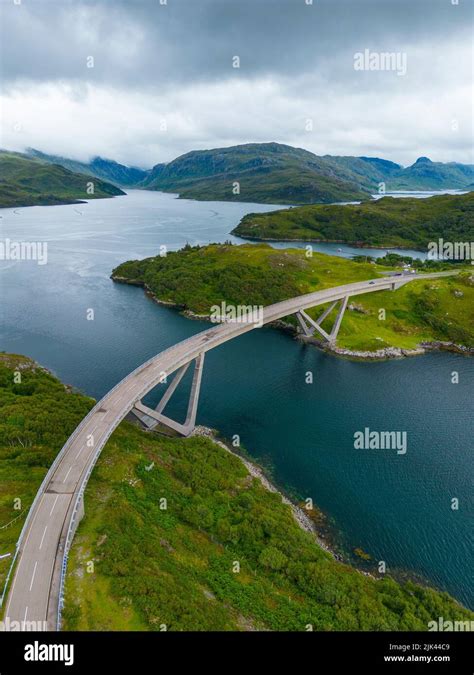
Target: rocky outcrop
(448,347)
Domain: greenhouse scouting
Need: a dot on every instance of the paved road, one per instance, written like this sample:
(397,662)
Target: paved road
(49,528)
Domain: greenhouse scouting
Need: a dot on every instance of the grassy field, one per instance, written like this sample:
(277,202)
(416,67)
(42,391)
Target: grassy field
(27,181)
(221,553)
(422,311)
(391,222)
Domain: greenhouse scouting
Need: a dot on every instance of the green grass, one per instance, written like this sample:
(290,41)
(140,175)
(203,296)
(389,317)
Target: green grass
(175,567)
(422,311)
(26,181)
(391,222)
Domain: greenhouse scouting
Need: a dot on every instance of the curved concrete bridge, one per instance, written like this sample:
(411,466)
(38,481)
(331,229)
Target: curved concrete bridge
(35,597)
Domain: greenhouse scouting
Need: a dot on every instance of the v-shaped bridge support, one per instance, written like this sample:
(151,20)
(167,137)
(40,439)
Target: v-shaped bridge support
(151,418)
(309,325)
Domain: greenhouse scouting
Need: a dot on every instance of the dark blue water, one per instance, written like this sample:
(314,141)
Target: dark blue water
(396,507)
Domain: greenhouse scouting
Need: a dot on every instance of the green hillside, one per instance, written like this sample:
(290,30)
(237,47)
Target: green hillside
(422,175)
(276,173)
(107,169)
(427,175)
(400,222)
(175,568)
(422,311)
(267,173)
(26,181)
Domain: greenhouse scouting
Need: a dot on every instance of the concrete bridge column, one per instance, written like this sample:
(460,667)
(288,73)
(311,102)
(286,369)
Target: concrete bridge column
(315,325)
(303,325)
(151,418)
(172,387)
(337,324)
(304,319)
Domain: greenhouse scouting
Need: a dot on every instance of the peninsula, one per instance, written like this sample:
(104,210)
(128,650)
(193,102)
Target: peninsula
(422,313)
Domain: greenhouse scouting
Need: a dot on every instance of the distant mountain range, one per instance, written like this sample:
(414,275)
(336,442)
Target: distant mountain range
(270,173)
(276,173)
(107,169)
(28,181)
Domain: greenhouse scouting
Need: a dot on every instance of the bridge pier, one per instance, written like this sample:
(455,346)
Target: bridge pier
(337,324)
(151,418)
(315,325)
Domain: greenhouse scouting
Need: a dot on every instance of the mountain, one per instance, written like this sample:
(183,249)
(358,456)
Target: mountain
(427,175)
(387,222)
(368,172)
(107,169)
(27,181)
(270,173)
(266,173)
(276,173)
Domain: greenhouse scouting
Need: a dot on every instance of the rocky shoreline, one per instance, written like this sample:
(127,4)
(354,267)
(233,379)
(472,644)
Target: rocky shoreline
(383,354)
(302,518)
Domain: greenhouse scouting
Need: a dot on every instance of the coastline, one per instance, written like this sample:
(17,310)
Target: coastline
(324,534)
(383,354)
(355,244)
(304,521)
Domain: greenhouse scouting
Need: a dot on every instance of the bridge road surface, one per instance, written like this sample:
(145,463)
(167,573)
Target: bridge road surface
(35,591)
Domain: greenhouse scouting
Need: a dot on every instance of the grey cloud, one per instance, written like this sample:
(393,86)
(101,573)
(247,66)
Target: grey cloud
(142,43)
(174,61)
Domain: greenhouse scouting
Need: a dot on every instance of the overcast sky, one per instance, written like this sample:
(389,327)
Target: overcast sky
(163,81)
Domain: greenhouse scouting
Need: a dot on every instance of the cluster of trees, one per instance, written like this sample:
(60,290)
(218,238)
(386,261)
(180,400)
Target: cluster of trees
(421,265)
(196,278)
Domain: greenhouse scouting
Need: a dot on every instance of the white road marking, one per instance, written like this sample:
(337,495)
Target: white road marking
(26,614)
(52,509)
(79,452)
(42,538)
(68,472)
(33,577)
